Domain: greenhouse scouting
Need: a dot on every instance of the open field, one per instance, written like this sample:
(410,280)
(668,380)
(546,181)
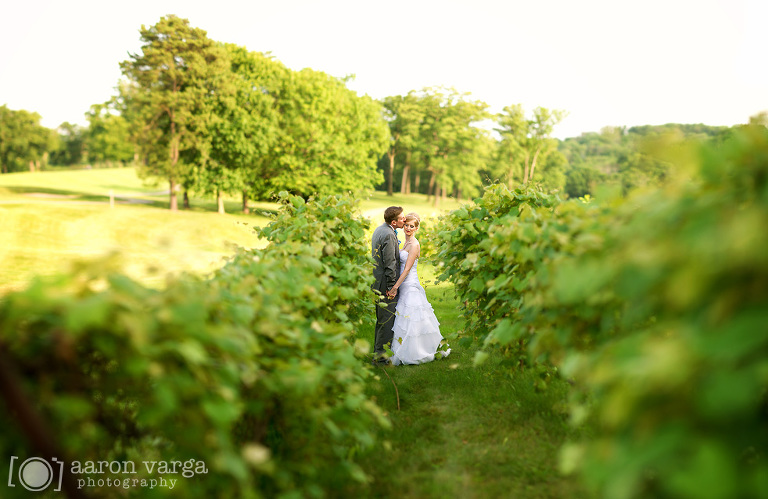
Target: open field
(46,238)
(374,206)
(51,219)
(95,185)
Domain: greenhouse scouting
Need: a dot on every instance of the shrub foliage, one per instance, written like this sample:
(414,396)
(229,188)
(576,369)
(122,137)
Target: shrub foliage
(254,371)
(655,306)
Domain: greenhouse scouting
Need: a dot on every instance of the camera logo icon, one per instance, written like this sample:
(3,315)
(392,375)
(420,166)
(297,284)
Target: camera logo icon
(35,474)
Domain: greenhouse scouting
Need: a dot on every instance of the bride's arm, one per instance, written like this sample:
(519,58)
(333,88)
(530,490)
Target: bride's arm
(413,253)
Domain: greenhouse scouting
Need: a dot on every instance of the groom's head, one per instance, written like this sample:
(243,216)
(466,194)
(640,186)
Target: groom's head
(394,216)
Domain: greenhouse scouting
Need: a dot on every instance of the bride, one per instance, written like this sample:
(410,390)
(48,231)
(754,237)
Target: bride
(417,332)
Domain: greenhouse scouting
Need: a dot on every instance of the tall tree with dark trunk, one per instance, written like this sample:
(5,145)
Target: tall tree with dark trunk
(525,141)
(243,126)
(169,84)
(452,147)
(404,117)
(71,145)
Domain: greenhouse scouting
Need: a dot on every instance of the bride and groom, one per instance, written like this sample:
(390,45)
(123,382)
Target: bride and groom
(404,317)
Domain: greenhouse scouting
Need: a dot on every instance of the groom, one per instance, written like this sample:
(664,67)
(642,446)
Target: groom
(385,250)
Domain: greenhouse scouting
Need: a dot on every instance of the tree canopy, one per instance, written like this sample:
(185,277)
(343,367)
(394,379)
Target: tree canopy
(217,119)
(329,137)
(24,142)
(168,96)
(107,138)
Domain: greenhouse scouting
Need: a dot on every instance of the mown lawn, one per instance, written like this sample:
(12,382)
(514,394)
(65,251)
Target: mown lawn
(44,239)
(49,220)
(374,205)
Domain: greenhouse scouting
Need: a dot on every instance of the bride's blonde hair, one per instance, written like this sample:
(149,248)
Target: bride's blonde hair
(413,216)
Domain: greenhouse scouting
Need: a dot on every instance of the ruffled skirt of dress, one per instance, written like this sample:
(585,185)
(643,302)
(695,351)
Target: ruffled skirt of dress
(417,331)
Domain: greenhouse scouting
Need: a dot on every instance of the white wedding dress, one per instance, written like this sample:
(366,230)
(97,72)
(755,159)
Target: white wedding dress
(417,332)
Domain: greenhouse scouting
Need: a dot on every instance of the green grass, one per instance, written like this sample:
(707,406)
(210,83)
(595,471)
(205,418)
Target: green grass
(51,219)
(465,431)
(98,184)
(44,239)
(374,205)
(76,183)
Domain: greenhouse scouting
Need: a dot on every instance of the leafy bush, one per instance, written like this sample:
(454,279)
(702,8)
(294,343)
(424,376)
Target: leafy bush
(476,269)
(530,247)
(680,396)
(251,371)
(331,228)
(655,307)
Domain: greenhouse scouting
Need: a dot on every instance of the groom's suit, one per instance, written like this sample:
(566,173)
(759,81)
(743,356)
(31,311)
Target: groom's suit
(386,253)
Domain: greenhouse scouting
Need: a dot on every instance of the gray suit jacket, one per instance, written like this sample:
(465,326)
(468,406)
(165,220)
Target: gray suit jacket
(386,253)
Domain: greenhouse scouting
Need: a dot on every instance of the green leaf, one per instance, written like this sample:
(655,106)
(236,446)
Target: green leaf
(221,412)
(480,358)
(477,284)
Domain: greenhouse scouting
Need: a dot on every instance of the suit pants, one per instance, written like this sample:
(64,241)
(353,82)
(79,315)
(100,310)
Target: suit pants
(385,319)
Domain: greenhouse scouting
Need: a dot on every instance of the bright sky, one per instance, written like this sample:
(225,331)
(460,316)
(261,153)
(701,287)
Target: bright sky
(605,62)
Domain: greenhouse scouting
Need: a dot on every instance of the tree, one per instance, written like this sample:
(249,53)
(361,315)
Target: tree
(71,145)
(243,127)
(169,84)
(469,151)
(464,178)
(330,138)
(629,157)
(581,181)
(403,117)
(510,153)
(24,142)
(525,141)
(760,118)
(107,138)
(453,150)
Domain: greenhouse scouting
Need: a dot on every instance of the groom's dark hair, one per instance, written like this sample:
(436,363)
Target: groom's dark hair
(392,213)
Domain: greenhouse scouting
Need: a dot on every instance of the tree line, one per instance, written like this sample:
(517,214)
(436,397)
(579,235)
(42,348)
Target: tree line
(26,145)
(214,118)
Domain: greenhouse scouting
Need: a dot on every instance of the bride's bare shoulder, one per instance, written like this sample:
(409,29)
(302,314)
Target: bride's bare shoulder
(413,244)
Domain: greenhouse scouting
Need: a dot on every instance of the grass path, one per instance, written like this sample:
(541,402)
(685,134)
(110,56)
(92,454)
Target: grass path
(466,431)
